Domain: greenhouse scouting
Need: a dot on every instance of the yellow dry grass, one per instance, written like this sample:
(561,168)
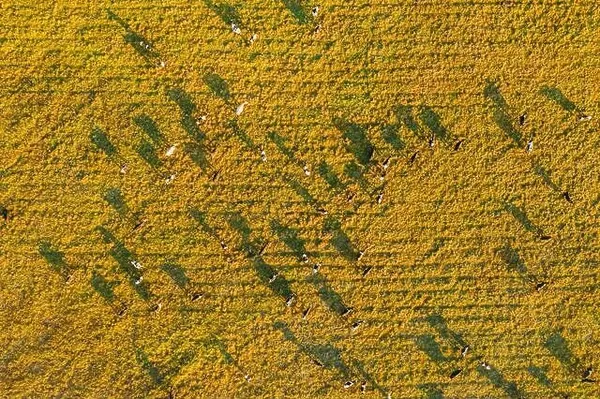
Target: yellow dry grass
(456,247)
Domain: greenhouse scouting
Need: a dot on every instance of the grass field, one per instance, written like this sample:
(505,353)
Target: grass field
(157,241)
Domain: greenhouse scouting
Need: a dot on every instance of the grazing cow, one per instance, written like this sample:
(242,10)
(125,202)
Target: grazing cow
(316,268)
(240,108)
(529,146)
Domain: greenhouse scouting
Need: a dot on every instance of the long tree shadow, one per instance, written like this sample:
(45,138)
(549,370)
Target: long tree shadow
(218,86)
(521,217)
(149,126)
(340,240)
(433,122)
(498,380)
(290,237)
(298,11)
(103,287)
(126,261)
(357,139)
(115,198)
(177,274)
(100,140)
(554,94)
(558,347)
(54,258)
(326,355)
(328,295)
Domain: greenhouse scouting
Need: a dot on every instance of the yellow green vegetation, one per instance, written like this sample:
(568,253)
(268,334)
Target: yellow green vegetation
(256,199)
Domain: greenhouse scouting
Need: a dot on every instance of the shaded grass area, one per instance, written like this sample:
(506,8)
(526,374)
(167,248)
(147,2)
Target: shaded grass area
(177,274)
(559,348)
(280,142)
(265,272)
(149,126)
(545,175)
(300,190)
(540,374)
(499,381)
(358,142)
(241,134)
(330,357)
(521,217)
(151,370)
(556,95)
(299,11)
(328,295)
(148,153)
(326,355)
(438,322)
(433,122)
(339,239)
(103,287)
(115,199)
(140,44)
(196,150)
(328,174)
(54,258)
(512,259)
(427,344)
(391,135)
(405,116)
(227,12)
(102,142)
(124,258)
(501,114)
(218,86)
(202,219)
(431,391)
(289,237)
